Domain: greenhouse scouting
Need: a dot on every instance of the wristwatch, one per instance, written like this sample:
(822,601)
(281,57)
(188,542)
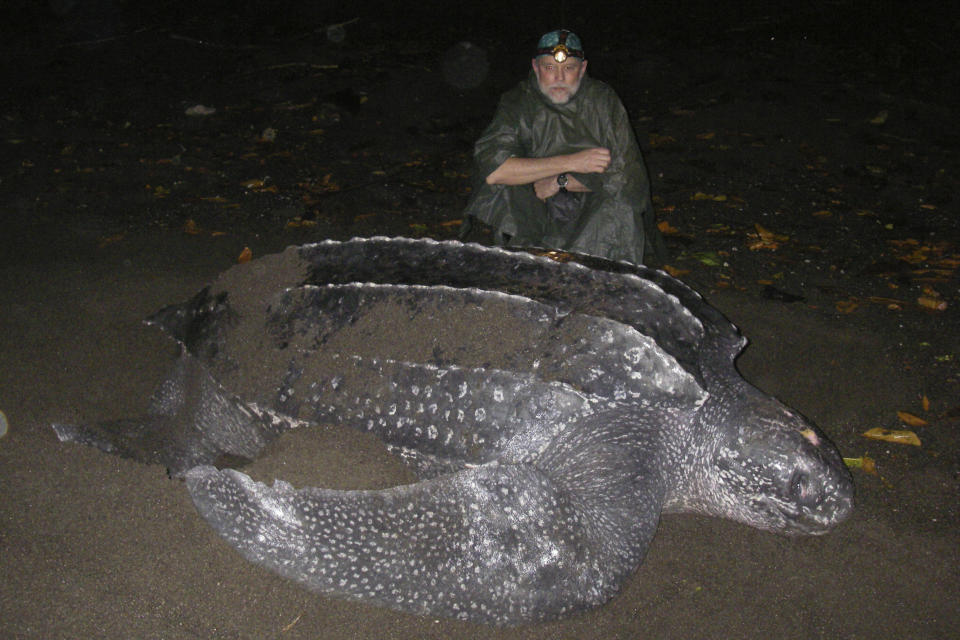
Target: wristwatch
(562,181)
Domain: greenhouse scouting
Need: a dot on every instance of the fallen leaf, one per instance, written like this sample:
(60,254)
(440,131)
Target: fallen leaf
(298,222)
(893,435)
(256,183)
(880,118)
(199,110)
(911,420)
(708,258)
(656,140)
(667,229)
(864,463)
(823,213)
(847,306)
(699,195)
(245,255)
(765,239)
(191,227)
(710,135)
(925,402)
(932,303)
(676,273)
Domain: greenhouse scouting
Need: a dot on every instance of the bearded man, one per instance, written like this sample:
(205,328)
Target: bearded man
(559,166)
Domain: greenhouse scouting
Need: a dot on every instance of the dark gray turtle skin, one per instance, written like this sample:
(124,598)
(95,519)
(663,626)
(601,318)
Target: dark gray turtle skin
(552,409)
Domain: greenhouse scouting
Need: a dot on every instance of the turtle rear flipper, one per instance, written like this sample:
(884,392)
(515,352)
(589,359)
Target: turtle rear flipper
(191,421)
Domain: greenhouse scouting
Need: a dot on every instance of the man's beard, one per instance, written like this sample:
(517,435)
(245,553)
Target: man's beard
(560,97)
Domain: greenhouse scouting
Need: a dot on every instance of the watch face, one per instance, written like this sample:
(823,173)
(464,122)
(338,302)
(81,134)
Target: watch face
(562,180)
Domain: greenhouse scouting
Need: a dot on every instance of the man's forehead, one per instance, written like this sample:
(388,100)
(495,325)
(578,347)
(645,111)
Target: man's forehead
(547,59)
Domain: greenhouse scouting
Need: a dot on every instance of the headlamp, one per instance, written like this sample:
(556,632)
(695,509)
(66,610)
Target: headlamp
(560,45)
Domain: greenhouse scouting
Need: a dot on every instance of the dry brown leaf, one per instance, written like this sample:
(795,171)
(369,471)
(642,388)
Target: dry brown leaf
(926,403)
(667,229)
(676,273)
(191,227)
(245,255)
(656,140)
(932,303)
(847,306)
(898,436)
(911,420)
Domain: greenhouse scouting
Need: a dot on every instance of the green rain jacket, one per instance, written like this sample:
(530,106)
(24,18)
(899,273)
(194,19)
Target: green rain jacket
(611,216)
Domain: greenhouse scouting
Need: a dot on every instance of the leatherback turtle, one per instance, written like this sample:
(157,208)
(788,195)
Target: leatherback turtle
(552,410)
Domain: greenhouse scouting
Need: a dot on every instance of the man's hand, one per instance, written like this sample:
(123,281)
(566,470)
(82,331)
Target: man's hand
(546,187)
(595,160)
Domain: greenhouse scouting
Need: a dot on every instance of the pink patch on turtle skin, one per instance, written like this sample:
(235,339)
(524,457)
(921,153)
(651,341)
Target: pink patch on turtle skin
(811,435)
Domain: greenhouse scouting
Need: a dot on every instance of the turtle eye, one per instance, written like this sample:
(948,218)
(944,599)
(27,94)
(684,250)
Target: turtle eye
(799,484)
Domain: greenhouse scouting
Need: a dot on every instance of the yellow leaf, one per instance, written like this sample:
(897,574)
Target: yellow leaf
(770,236)
(191,227)
(245,255)
(256,183)
(710,135)
(926,403)
(880,118)
(866,463)
(910,419)
(893,435)
(823,213)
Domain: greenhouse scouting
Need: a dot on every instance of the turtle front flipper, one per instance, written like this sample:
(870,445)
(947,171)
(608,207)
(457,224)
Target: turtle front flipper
(500,543)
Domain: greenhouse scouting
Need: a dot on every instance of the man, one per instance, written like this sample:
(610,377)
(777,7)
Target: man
(559,166)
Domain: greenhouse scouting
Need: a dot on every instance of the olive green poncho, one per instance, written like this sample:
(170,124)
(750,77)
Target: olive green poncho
(527,125)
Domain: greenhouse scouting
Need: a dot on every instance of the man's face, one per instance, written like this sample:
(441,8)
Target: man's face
(559,81)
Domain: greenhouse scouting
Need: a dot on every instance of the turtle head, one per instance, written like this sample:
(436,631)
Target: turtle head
(768,467)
